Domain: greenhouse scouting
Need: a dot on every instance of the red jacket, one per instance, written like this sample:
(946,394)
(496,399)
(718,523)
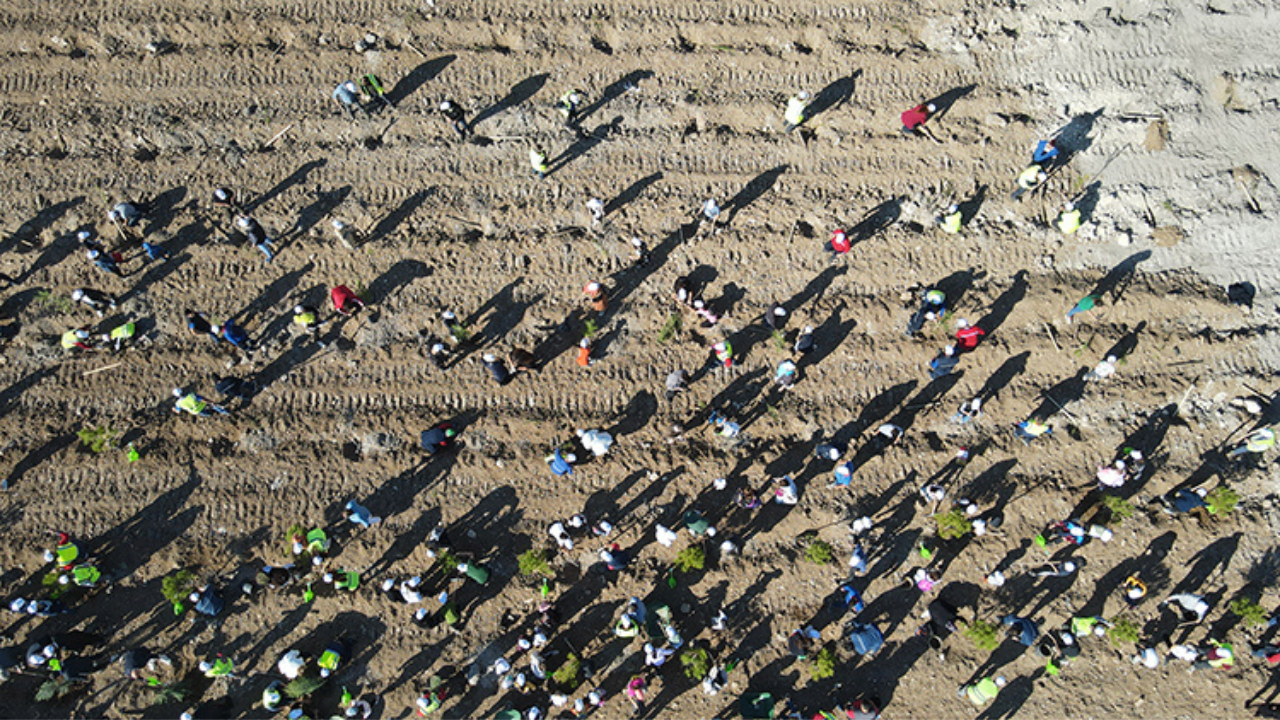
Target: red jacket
(967,338)
(915,117)
(341,296)
(840,242)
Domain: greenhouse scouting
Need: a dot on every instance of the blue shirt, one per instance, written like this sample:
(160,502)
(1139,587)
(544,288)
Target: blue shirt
(1044,151)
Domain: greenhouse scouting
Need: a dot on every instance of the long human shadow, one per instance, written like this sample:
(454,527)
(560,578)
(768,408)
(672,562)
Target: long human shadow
(955,285)
(163,208)
(388,224)
(519,93)
(970,206)
(16,303)
(1004,304)
(419,76)
(298,177)
(613,91)
(642,406)
(507,312)
(278,290)
(1127,343)
(633,191)
(1060,395)
(944,101)
(36,457)
(1087,200)
(60,249)
(10,395)
(1157,550)
(155,274)
(1011,368)
(1074,137)
(1148,438)
(395,278)
(1119,278)
(752,191)
(627,280)
(584,144)
(407,541)
(834,95)
(928,396)
(29,231)
(876,221)
(129,545)
(311,215)
(1011,698)
(827,337)
(876,409)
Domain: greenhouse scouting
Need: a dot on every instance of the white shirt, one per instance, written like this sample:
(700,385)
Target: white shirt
(666,536)
(291,664)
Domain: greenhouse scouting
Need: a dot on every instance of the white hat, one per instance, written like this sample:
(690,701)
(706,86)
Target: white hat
(324,672)
(962,323)
(243,221)
(388,584)
(205,666)
(328,577)
(337,224)
(1069,566)
(488,357)
(934,108)
(448,315)
(1100,631)
(77,294)
(17,605)
(711,531)
(1135,593)
(446,105)
(719,483)
(1069,206)
(949,350)
(1000,681)
(779,311)
(64,579)
(194,597)
(113,215)
(82,334)
(177,392)
(592,287)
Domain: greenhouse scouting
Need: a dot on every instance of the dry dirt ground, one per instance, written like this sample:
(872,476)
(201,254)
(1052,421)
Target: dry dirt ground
(110,100)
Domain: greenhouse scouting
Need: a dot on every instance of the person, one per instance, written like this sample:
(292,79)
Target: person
(724,353)
(747,499)
(805,344)
(83,575)
(828,451)
(666,536)
(701,310)
(1085,304)
(538,161)
(106,261)
(1046,153)
(886,435)
(951,220)
(76,338)
(715,681)
(1029,179)
(1219,656)
(1258,442)
(474,572)
(839,243)
(1193,606)
(359,515)
(802,641)
(307,317)
(272,697)
(858,560)
(943,363)
(193,404)
(596,207)
(120,334)
(220,667)
(967,336)
(331,658)
(615,558)
(1134,590)
(496,368)
(932,308)
(1268,652)
(969,411)
(207,601)
(456,116)
(348,95)
(438,438)
(345,300)
(710,211)
(785,491)
(125,213)
(983,691)
(1184,500)
(1069,220)
(865,638)
(347,235)
(96,300)
(561,463)
(656,657)
(794,115)
(676,381)
(1026,629)
(291,665)
(785,375)
(570,105)
(1032,428)
(850,598)
(597,296)
(924,580)
(236,335)
(198,324)
(635,692)
(913,120)
(1105,369)
(775,317)
(1111,476)
(256,234)
(139,661)
(224,198)
(561,535)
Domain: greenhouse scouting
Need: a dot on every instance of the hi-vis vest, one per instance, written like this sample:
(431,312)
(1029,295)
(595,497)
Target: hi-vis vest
(538,161)
(85,575)
(1029,177)
(191,404)
(66,553)
(271,699)
(951,223)
(983,691)
(795,111)
(1069,222)
(329,660)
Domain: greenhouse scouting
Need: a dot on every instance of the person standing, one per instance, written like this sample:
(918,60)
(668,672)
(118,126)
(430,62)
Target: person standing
(1069,220)
(570,105)
(456,116)
(348,96)
(1085,304)
(256,234)
(794,115)
(1029,179)
(538,161)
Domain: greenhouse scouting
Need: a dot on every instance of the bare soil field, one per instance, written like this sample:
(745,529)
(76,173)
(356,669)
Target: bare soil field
(1171,130)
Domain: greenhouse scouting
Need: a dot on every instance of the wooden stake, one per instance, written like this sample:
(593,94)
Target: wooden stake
(411,47)
(107,367)
(278,136)
(1049,329)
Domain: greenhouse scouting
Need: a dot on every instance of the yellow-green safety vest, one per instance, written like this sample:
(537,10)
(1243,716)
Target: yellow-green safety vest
(191,404)
(1069,222)
(983,691)
(951,223)
(795,111)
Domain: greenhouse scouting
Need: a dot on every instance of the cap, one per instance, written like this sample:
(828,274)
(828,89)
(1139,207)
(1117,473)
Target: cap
(194,597)
(779,311)
(243,221)
(591,287)
(1069,566)
(932,108)
(77,294)
(324,672)
(205,666)
(82,334)
(1134,593)
(177,392)
(1000,681)
(949,350)
(448,315)
(337,224)
(962,323)
(489,357)
(1069,206)
(804,95)
(388,584)
(446,105)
